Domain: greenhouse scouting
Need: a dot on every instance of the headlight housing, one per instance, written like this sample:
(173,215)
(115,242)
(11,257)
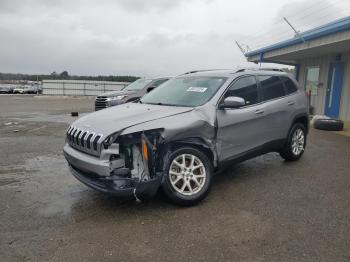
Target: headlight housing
(114,98)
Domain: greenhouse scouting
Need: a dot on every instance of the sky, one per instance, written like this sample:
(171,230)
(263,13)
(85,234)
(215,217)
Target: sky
(147,37)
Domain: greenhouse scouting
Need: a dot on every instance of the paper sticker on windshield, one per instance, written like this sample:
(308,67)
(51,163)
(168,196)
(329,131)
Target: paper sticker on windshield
(197,89)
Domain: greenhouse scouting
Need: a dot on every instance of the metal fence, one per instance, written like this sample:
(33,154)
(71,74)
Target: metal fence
(80,88)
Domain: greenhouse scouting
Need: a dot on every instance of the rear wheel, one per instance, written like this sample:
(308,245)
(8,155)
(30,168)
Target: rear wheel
(296,142)
(187,176)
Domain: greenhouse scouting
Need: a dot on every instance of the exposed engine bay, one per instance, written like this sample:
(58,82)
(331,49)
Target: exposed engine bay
(133,161)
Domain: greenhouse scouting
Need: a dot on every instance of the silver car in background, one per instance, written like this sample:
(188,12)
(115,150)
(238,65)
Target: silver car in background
(178,135)
(130,93)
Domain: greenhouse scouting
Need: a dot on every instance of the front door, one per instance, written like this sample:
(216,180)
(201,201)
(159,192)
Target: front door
(334,89)
(242,129)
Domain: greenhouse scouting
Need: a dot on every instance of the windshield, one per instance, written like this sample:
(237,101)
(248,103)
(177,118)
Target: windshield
(137,85)
(185,91)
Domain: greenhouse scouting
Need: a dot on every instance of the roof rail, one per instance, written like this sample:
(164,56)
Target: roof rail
(259,69)
(204,70)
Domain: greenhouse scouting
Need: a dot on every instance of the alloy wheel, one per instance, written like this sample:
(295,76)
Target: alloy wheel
(187,174)
(298,141)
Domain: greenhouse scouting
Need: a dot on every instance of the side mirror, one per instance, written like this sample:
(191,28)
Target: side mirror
(232,102)
(150,88)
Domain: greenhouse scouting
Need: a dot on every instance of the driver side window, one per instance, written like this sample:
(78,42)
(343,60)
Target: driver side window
(245,87)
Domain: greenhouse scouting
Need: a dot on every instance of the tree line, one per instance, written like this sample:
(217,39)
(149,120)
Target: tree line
(64,76)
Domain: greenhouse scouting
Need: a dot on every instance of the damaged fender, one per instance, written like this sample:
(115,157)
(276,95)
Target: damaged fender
(134,154)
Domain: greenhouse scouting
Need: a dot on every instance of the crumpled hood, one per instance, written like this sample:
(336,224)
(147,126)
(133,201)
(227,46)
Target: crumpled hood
(117,93)
(114,119)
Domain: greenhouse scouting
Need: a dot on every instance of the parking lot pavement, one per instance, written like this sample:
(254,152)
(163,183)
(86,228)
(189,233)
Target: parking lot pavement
(262,210)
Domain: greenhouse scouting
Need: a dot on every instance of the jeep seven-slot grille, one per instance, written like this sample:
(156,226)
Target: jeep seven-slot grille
(85,141)
(101,103)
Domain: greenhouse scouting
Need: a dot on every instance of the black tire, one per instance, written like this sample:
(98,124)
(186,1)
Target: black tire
(329,124)
(287,151)
(169,190)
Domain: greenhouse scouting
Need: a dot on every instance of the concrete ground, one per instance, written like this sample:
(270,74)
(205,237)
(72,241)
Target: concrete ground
(346,130)
(262,210)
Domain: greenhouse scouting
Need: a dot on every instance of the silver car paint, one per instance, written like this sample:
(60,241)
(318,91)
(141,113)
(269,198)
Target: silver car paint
(227,132)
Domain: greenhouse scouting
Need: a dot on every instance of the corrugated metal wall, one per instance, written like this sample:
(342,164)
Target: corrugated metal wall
(345,97)
(318,101)
(80,88)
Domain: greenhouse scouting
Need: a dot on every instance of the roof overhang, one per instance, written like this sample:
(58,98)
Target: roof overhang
(331,38)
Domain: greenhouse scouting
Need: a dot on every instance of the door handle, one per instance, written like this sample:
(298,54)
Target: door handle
(258,111)
(290,103)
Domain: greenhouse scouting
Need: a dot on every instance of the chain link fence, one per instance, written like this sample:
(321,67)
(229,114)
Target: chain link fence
(79,87)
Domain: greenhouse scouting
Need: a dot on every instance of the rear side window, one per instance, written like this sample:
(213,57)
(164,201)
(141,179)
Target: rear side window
(245,87)
(289,85)
(271,87)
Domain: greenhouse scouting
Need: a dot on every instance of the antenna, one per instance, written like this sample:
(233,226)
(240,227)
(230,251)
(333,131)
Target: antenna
(297,33)
(240,48)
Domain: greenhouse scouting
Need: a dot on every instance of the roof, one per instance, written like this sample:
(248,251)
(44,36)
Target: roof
(324,30)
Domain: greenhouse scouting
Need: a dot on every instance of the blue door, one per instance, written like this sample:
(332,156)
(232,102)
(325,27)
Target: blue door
(334,89)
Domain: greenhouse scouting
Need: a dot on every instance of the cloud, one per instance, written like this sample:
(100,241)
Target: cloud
(142,5)
(18,6)
(149,54)
(57,40)
(145,38)
(128,5)
(306,14)
(302,14)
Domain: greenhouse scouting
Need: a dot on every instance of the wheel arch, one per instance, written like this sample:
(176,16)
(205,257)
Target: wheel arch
(196,143)
(302,119)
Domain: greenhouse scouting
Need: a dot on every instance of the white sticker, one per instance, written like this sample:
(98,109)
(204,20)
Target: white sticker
(197,89)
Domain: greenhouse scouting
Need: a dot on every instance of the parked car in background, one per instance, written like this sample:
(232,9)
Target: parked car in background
(19,90)
(130,93)
(6,89)
(28,89)
(178,135)
(33,89)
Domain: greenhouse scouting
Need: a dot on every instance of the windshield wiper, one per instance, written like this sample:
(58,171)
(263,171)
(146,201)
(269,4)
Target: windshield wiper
(161,104)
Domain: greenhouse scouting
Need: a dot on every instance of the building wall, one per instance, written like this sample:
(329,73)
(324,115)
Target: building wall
(80,88)
(345,98)
(318,101)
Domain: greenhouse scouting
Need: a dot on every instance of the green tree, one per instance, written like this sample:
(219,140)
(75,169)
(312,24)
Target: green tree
(64,74)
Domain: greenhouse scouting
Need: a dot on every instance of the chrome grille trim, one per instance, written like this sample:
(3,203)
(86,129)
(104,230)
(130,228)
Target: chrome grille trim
(78,139)
(101,102)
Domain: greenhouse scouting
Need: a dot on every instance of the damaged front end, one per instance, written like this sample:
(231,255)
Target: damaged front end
(128,165)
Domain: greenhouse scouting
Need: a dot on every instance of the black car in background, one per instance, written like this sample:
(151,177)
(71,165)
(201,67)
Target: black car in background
(130,93)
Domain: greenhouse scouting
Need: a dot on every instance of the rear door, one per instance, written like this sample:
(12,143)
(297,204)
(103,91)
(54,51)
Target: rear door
(241,129)
(278,107)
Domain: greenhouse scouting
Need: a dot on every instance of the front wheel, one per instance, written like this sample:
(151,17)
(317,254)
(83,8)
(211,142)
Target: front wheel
(187,176)
(296,142)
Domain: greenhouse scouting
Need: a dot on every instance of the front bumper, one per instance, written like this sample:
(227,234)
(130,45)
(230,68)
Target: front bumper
(96,174)
(85,162)
(121,187)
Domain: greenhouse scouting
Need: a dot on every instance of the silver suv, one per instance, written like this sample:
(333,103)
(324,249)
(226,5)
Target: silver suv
(130,93)
(177,136)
